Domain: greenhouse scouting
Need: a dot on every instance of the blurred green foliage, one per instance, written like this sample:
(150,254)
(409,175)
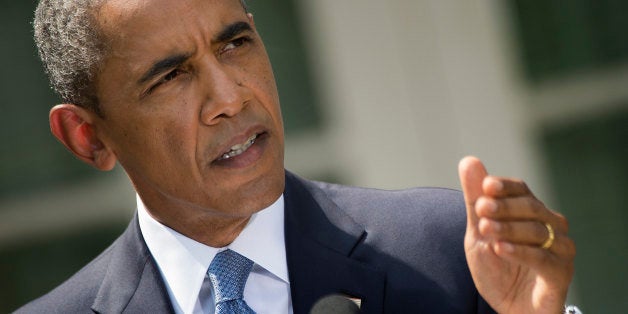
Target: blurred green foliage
(588,162)
(559,38)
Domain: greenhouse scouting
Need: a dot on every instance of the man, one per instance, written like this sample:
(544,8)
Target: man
(182,94)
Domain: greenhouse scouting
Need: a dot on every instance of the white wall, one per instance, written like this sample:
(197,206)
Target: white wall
(411,86)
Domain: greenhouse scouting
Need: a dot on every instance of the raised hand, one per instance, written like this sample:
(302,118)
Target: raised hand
(515,265)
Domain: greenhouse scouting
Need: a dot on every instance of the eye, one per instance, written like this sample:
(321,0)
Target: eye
(170,76)
(235,43)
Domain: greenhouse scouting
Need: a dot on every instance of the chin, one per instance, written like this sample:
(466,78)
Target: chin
(265,192)
(253,196)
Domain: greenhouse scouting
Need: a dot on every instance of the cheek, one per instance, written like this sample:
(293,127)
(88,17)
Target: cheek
(266,89)
(157,139)
(175,137)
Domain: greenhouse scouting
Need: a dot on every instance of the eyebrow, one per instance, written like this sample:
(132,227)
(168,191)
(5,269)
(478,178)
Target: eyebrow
(163,65)
(232,30)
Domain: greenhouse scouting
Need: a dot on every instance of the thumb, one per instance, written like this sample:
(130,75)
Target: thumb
(472,173)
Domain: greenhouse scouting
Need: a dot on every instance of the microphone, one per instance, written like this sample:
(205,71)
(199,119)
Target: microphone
(335,304)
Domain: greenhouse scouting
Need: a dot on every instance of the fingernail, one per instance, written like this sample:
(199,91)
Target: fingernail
(508,247)
(492,206)
(497,226)
(497,185)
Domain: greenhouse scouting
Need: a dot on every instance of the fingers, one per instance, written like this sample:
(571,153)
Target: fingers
(526,233)
(523,232)
(472,174)
(504,209)
(519,208)
(564,251)
(504,187)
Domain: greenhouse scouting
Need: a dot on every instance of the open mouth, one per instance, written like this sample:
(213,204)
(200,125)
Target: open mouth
(238,149)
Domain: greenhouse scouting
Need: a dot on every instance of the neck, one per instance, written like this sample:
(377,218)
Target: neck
(212,231)
(210,227)
(223,232)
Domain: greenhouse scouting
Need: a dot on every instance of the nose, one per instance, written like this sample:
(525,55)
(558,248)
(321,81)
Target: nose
(225,94)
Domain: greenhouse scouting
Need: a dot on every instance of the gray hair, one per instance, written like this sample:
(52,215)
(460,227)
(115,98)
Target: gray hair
(72,48)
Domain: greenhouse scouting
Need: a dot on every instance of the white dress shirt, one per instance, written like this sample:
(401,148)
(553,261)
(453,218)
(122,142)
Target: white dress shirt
(183,262)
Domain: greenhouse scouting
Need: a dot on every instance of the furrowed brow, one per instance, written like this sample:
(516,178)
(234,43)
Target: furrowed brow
(232,30)
(163,65)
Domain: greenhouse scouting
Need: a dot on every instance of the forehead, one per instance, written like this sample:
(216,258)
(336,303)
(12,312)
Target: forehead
(123,8)
(125,23)
(140,32)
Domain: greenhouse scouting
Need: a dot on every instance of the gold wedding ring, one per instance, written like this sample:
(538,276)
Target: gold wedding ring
(550,237)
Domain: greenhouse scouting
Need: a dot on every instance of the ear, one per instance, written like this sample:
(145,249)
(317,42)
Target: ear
(73,126)
(251,20)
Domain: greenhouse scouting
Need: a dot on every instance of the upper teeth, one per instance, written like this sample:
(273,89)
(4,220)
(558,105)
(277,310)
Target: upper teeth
(239,148)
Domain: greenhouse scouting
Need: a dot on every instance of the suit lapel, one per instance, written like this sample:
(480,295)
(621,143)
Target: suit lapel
(320,239)
(132,283)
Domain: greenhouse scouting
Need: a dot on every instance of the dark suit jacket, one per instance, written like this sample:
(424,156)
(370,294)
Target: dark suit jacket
(399,251)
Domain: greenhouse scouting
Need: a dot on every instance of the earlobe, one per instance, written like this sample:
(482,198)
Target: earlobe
(72,126)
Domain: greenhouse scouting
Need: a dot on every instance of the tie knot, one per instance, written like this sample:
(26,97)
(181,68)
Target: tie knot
(228,273)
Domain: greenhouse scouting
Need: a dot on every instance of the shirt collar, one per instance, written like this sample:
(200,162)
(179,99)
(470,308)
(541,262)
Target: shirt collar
(183,262)
(263,241)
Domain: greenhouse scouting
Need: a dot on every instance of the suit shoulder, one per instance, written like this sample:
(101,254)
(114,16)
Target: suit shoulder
(76,294)
(415,236)
(402,221)
(423,205)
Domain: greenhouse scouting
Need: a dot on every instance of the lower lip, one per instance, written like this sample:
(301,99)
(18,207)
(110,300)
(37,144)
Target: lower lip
(247,158)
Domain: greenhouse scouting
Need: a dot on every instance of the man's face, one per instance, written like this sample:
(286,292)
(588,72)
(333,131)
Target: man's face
(183,83)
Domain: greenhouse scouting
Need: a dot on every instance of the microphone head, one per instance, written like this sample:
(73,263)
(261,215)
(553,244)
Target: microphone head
(335,304)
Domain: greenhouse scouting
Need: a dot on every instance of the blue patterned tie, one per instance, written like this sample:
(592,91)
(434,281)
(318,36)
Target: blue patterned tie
(228,273)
